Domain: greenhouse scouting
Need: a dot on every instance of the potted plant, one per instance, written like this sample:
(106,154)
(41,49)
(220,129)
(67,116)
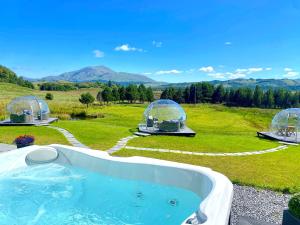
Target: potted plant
(24,140)
(292,215)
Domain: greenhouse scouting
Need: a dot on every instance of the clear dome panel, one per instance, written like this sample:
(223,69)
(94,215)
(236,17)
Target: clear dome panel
(286,123)
(29,106)
(24,105)
(164,115)
(43,106)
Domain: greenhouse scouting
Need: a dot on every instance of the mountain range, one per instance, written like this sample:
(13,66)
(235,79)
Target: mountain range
(105,74)
(101,74)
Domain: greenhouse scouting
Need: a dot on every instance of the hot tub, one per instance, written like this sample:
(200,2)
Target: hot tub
(83,186)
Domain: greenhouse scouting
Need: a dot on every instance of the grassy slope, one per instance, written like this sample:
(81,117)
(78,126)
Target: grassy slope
(43,135)
(278,171)
(219,129)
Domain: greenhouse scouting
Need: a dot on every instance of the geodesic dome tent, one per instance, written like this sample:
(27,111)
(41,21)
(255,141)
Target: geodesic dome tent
(286,124)
(27,109)
(164,116)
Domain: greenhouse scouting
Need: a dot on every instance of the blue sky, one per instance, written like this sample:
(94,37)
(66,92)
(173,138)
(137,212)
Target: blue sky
(173,41)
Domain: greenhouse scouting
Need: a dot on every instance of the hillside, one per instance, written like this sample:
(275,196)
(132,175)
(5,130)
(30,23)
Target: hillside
(288,84)
(8,76)
(99,73)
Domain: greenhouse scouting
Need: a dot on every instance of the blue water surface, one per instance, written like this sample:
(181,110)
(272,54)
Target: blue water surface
(53,194)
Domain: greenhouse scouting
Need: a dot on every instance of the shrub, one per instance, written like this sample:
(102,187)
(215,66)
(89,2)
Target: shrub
(49,96)
(294,205)
(86,98)
(24,140)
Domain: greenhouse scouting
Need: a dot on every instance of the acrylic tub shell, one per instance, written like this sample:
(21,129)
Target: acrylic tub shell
(214,188)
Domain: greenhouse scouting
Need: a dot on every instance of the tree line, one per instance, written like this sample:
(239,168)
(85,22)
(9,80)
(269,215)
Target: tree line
(131,93)
(59,86)
(205,92)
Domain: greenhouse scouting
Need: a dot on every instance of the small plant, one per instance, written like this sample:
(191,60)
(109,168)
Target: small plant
(49,96)
(24,140)
(294,205)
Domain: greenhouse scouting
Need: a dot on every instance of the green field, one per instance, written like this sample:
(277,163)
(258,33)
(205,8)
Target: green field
(219,129)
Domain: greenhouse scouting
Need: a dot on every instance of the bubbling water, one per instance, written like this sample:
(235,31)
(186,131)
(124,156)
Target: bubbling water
(55,194)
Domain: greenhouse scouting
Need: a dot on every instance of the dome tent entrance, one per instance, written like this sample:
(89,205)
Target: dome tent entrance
(27,110)
(165,116)
(285,126)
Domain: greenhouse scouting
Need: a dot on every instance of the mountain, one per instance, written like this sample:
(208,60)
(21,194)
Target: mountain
(251,83)
(99,73)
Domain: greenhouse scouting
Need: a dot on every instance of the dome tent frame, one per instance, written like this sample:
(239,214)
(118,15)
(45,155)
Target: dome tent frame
(285,126)
(165,117)
(27,110)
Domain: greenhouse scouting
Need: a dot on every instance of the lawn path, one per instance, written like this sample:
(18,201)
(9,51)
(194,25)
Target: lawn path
(122,143)
(279,148)
(70,137)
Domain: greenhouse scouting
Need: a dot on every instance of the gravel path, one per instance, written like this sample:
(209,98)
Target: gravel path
(262,205)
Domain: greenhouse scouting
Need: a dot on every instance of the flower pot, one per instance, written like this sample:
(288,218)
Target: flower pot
(24,145)
(289,218)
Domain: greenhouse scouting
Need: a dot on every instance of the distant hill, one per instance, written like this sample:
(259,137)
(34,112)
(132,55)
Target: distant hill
(251,83)
(99,73)
(8,76)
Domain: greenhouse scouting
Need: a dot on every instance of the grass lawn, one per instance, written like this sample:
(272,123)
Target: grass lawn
(43,135)
(219,129)
(278,171)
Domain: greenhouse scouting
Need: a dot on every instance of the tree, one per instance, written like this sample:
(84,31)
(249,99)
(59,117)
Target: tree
(258,96)
(49,96)
(86,98)
(218,94)
(107,94)
(269,99)
(142,93)
(122,93)
(149,94)
(115,93)
(131,93)
(178,96)
(186,95)
(99,96)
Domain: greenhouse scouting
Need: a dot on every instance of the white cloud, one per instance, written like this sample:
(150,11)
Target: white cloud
(291,74)
(190,71)
(254,70)
(157,44)
(227,43)
(249,70)
(128,48)
(217,75)
(288,69)
(98,53)
(268,68)
(147,73)
(235,75)
(168,72)
(207,69)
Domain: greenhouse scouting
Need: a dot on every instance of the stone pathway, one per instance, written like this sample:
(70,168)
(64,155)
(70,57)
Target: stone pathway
(123,142)
(279,148)
(120,144)
(70,137)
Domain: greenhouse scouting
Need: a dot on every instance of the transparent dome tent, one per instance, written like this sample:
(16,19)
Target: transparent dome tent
(27,110)
(165,116)
(285,126)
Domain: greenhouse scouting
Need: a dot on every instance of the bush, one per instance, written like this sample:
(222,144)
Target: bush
(24,140)
(49,96)
(294,205)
